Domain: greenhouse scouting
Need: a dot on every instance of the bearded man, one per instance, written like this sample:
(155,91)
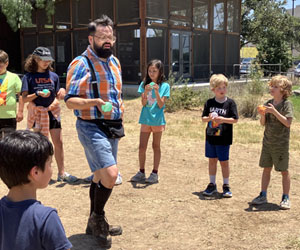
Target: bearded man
(94,87)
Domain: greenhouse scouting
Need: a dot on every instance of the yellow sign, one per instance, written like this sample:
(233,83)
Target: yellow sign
(248,52)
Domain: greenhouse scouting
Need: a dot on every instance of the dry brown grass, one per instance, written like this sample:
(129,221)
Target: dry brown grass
(174,214)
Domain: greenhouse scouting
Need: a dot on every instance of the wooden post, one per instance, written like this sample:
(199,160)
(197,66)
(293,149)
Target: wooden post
(143,41)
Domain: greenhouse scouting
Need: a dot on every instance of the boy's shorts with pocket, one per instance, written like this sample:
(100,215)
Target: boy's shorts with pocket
(280,159)
(148,129)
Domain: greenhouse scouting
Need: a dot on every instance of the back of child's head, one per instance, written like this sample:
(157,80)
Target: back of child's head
(3,56)
(160,66)
(283,83)
(216,80)
(20,151)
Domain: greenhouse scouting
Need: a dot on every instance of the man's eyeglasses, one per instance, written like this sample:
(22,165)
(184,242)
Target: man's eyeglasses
(105,38)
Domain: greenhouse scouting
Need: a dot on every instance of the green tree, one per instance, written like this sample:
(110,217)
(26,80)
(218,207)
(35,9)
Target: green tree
(267,24)
(18,12)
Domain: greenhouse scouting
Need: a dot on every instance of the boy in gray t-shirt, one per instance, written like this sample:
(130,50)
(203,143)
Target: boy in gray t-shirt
(276,115)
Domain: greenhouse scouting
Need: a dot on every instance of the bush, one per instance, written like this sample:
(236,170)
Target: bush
(247,96)
(251,96)
(183,96)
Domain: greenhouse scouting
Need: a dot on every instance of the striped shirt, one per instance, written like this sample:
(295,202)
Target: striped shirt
(109,78)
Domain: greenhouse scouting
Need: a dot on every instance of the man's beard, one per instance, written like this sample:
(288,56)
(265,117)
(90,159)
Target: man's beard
(101,51)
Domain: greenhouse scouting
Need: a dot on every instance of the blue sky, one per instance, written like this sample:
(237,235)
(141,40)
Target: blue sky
(289,4)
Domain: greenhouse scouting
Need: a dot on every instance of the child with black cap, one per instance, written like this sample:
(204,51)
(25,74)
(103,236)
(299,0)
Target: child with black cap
(41,89)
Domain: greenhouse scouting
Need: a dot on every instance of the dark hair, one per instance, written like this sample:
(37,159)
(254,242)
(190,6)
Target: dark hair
(20,151)
(31,64)
(3,56)
(159,65)
(104,20)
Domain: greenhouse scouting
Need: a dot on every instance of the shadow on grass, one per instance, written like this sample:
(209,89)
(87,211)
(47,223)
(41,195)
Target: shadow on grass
(83,241)
(262,207)
(215,196)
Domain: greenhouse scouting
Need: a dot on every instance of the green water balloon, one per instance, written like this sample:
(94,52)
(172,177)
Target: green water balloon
(106,107)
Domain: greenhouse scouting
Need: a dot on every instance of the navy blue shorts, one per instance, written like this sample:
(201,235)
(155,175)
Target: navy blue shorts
(217,151)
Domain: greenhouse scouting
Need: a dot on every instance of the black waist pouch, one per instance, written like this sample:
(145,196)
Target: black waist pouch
(112,128)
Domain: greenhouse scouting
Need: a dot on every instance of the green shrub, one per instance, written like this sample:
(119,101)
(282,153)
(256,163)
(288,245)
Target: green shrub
(184,96)
(256,86)
(251,95)
(247,96)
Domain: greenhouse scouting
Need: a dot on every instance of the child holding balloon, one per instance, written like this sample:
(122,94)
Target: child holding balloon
(154,91)
(220,113)
(41,89)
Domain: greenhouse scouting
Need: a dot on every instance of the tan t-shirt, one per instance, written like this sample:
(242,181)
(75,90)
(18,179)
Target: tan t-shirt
(276,135)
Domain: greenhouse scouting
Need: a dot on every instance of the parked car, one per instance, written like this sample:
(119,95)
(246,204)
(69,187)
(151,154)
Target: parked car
(297,71)
(246,65)
(296,62)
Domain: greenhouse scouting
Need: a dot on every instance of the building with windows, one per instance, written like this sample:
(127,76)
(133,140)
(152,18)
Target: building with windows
(193,38)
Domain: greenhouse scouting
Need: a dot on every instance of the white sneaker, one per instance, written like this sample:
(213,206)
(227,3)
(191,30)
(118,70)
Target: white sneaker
(153,178)
(139,176)
(119,179)
(285,204)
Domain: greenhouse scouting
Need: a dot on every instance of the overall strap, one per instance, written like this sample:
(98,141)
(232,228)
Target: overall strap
(93,82)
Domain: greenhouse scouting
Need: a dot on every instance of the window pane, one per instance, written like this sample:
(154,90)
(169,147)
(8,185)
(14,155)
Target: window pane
(201,55)
(81,42)
(233,16)
(127,11)
(128,43)
(63,52)
(233,54)
(218,14)
(200,14)
(157,45)
(175,50)
(218,53)
(180,23)
(104,7)
(181,8)
(29,44)
(44,23)
(81,13)
(157,11)
(62,15)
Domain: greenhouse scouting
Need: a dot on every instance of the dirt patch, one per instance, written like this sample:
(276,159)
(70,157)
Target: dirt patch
(174,214)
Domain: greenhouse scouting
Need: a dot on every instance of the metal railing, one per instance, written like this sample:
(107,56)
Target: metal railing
(262,67)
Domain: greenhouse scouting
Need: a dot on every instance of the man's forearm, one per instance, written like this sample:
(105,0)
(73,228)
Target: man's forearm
(81,103)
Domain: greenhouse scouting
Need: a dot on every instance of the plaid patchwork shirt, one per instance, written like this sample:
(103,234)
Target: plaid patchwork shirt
(109,78)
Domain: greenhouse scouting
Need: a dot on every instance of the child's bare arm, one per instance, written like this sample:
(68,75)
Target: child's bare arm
(206,119)
(221,119)
(19,116)
(286,121)
(144,95)
(262,119)
(160,100)
(144,99)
